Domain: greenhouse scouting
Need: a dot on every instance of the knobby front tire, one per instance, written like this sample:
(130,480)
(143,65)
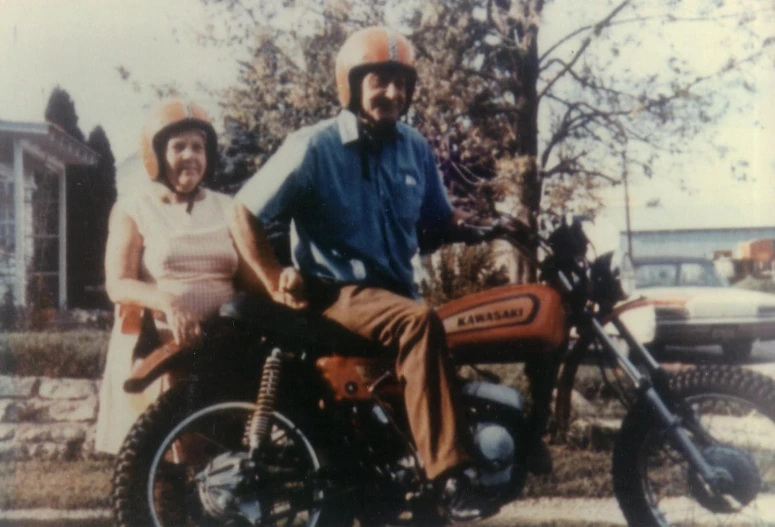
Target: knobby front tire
(653,483)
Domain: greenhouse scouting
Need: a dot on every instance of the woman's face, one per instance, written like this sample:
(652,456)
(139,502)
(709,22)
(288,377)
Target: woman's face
(186,159)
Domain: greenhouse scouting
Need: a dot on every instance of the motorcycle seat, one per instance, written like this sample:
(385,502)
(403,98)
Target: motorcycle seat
(263,315)
(296,329)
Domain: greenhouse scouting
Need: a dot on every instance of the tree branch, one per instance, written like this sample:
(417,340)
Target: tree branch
(565,69)
(597,27)
(666,17)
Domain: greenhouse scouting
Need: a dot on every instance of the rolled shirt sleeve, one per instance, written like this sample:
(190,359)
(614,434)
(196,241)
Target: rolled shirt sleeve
(275,190)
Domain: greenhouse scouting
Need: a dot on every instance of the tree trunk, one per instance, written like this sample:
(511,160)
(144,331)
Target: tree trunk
(527,137)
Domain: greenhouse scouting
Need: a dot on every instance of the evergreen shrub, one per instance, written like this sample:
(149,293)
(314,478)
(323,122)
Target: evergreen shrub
(77,354)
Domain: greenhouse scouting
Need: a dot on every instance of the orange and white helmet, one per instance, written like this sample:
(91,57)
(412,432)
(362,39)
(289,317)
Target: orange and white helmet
(368,49)
(170,117)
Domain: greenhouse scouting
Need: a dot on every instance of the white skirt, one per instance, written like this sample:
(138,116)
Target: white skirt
(118,410)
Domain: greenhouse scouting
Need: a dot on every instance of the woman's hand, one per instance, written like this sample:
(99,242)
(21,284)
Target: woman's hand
(290,289)
(183,323)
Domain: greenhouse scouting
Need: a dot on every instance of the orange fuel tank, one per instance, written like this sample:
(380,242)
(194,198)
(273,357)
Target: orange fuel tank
(504,324)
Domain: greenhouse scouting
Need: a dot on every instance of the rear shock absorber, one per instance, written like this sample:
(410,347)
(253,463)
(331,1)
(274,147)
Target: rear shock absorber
(260,422)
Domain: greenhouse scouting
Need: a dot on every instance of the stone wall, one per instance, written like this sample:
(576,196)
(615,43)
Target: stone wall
(46,418)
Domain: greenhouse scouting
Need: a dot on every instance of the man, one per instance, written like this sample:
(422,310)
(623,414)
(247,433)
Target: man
(357,187)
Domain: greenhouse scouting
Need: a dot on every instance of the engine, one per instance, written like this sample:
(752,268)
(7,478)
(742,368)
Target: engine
(498,428)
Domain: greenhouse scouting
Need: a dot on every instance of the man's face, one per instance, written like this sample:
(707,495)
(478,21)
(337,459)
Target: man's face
(383,95)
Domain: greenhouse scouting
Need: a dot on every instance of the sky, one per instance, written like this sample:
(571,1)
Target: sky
(79,45)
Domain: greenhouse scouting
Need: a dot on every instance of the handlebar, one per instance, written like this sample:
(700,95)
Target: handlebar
(564,250)
(563,261)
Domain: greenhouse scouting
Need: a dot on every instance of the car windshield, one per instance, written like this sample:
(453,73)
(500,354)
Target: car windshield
(678,274)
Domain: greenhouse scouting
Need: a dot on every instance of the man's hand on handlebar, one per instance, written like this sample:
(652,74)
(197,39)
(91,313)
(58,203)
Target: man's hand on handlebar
(475,234)
(504,227)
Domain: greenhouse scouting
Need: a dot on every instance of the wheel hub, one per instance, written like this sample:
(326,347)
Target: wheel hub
(225,485)
(745,480)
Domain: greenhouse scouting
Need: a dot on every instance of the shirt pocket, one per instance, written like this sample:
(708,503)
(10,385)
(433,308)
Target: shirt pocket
(407,192)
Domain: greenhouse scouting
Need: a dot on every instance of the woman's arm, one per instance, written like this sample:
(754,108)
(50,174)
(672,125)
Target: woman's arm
(122,265)
(122,272)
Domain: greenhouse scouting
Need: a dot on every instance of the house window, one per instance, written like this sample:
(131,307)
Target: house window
(7,235)
(43,262)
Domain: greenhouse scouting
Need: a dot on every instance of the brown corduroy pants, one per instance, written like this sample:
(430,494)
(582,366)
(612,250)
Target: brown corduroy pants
(413,332)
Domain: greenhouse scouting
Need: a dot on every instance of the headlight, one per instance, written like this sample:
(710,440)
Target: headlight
(605,285)
(611,283)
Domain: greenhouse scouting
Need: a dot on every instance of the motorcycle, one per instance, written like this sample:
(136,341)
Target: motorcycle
(320,437)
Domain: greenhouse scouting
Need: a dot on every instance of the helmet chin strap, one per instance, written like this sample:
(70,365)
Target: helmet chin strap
(189,197)
(376,133)
(373,136)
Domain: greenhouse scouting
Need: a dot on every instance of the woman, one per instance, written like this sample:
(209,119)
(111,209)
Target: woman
(170,261)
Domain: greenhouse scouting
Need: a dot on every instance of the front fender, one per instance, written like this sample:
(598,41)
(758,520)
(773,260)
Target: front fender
(638,315)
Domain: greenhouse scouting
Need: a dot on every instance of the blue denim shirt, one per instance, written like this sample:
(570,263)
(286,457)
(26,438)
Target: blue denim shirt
(351,228)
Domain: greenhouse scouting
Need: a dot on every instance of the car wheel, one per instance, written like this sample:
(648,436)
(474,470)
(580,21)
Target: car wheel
(737,350)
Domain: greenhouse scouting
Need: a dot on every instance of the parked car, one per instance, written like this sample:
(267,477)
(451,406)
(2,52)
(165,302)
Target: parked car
(695,305)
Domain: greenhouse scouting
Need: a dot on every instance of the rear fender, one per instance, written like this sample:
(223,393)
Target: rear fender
(162,360)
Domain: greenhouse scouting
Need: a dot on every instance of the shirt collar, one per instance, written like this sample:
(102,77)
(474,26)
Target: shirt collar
(348,127)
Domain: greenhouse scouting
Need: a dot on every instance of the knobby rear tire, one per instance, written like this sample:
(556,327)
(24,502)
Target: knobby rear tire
(632,486)
(130,475)
(129,497)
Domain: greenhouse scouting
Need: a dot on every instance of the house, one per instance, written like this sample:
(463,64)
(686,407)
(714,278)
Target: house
(33,209)
(700,242)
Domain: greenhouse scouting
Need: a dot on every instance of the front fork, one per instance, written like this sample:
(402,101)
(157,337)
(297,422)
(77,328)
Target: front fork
(655,390)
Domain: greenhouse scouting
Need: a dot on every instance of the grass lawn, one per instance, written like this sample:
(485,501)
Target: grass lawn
(577,474)
(64,485)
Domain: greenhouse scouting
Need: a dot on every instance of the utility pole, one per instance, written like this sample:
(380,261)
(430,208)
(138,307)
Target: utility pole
(627,206)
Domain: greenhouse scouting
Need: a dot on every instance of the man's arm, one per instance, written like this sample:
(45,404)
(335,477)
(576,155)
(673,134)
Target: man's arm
(284,284)
(457,228)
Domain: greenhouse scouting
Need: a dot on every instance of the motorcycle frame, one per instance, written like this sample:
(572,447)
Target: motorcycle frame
(652,389)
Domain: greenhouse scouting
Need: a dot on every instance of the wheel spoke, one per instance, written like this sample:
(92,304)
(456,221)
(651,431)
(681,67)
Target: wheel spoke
(658,486)
(280,495)
(667,476)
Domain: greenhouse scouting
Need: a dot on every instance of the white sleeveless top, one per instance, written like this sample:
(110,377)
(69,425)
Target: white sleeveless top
(189,255)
